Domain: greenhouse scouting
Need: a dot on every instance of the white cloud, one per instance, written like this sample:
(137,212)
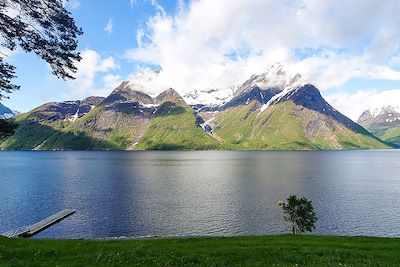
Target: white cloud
(109,26)
(139,37)
(112,81)
(333,70)
(220,43)
(92,63)
(352,105)
(394,61)
(158,7)
(89,67)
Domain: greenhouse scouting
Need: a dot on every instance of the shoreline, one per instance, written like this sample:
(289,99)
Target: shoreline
(208,150)
(155,237)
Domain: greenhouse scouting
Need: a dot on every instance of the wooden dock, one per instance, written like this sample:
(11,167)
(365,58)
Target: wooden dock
(40,226)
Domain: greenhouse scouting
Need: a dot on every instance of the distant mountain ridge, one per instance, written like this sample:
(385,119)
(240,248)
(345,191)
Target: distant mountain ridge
(67,110)
(384,122)
(275,110)
(5,112)
(126,119)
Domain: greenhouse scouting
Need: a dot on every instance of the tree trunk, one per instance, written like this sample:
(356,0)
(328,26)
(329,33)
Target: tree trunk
(295,228)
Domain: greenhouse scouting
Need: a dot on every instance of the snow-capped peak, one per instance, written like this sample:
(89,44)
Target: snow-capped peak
(276,76)
(383,115)
(375,112)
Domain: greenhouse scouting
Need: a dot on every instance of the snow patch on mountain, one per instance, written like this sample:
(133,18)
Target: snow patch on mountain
(209,96)
(75,116)
(387,116)
(276,98)
(5,112)
(7,116)
(152,83)
(375,112)
(276,76)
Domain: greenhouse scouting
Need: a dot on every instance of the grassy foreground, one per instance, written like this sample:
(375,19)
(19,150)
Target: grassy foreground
(283,250)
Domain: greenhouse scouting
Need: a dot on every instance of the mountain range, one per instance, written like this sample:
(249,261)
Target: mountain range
(275,110)
(383,122)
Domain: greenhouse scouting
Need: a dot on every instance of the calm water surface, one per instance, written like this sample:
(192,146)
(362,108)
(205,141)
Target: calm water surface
(199,193)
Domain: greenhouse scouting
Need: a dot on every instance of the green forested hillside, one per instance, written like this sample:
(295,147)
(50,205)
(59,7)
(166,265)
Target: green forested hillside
(287,126)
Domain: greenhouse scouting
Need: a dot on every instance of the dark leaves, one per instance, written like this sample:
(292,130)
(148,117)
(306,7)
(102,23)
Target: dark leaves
(300,213)
(44,27)
(7,73)
(7,128)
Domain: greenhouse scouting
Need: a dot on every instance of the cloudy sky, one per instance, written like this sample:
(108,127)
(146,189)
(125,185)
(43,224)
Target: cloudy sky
(349,49)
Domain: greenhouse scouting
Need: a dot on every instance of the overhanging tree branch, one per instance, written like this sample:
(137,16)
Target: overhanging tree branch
(44,27)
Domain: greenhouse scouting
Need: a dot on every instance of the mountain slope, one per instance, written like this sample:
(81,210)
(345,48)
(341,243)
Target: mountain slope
(275,110)
(126,119)
(137,121)
(47,127)
(176,129)
(384,122)
(287,126)
(279,111)
(5,112)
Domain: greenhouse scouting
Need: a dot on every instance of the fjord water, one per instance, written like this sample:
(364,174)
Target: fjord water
(199,193)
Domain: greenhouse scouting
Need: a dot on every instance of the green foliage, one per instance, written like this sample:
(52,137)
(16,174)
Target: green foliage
(176,130)
(7,73)
(32,135)
(7,128)
(287,250)
(44,27)
(390,135)
(300,213)
(28,136)
(284,127)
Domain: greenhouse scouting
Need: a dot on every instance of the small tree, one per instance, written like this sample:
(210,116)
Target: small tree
(300,213)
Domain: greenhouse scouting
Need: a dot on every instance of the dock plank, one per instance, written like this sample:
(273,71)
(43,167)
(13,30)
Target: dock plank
(28,231)
(49,221)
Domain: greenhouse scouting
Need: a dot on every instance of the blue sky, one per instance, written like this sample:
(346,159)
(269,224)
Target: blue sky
(37,83)
(351,51)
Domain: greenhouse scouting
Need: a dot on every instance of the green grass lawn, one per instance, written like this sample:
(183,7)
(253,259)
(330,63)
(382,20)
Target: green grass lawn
(283,250)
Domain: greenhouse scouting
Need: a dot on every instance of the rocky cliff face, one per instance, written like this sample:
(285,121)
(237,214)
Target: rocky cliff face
(68,110)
